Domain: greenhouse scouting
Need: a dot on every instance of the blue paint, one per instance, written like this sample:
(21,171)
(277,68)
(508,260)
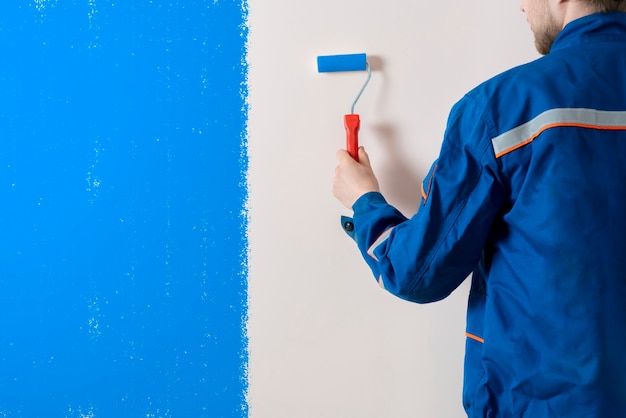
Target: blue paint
(123,278)
(345,62)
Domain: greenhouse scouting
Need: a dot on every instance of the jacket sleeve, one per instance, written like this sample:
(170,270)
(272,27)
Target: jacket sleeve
(423,259)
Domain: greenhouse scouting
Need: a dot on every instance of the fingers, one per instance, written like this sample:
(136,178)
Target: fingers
(343,155)
(353,178)
(364,158)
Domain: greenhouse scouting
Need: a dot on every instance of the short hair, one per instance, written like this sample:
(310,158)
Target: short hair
(604,6)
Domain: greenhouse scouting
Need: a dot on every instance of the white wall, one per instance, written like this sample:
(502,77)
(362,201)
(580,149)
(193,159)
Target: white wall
(325,341)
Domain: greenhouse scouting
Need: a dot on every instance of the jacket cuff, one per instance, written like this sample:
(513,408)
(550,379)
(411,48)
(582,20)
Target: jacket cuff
(364,201)
(347,223)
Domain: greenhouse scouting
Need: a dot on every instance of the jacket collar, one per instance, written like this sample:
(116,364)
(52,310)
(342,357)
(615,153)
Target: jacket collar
(597,26)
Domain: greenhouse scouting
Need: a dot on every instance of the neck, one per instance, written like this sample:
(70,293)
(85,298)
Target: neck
(575,9)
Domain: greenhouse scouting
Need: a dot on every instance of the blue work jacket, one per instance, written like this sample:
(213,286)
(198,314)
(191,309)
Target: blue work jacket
(528,195)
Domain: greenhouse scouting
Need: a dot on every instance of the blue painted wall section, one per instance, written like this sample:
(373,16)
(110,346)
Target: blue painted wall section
(123,250)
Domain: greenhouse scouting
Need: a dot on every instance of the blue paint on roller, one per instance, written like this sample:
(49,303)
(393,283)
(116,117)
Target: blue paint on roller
(346,62)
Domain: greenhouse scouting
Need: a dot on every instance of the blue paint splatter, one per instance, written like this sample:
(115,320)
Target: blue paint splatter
(123,252)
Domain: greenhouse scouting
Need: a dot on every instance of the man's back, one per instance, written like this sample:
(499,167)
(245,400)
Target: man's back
(547,307)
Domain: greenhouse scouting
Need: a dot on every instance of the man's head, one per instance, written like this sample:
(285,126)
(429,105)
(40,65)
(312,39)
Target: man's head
(547,18)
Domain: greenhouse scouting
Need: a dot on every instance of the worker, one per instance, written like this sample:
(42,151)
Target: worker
(527,197)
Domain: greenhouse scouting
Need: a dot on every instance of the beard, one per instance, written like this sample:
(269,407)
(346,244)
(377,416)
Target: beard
(546,33)
(545,39)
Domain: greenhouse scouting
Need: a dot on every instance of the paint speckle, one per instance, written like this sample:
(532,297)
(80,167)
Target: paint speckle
(95,318)
(93,181)
(94,26)
(79,412)
(42,5)
(92,10)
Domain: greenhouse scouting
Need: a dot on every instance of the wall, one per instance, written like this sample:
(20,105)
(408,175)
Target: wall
(122,182)
(325,341)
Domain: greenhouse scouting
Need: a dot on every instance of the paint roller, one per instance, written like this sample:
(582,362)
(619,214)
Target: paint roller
(348,62)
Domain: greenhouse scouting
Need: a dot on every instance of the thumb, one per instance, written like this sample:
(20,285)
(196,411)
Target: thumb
(364,158)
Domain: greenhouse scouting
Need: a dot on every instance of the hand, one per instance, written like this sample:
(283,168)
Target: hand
(353,179)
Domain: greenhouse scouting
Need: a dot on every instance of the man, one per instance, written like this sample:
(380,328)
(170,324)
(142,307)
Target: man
(528,194)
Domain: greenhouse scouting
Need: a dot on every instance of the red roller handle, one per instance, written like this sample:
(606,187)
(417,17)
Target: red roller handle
(352,124)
